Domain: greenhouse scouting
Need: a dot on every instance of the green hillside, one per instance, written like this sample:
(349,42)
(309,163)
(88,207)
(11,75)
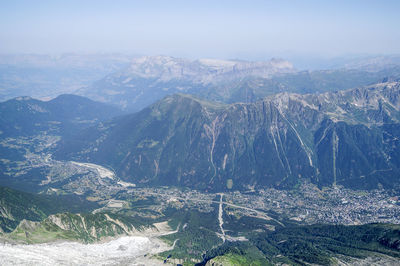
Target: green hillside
(315,244)
(16,206)
(86,228)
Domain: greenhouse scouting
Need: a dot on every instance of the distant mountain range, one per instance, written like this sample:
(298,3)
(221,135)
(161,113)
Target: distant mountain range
(344,138)
(374,63)
(151,78)
(168,68)
(132,83)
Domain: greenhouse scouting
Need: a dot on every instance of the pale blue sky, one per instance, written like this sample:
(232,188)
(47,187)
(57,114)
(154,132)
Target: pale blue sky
(224,29)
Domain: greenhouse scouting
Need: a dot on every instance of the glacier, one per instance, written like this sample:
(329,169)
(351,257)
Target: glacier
(127,250)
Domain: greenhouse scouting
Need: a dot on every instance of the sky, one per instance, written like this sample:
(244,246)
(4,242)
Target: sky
(194,29)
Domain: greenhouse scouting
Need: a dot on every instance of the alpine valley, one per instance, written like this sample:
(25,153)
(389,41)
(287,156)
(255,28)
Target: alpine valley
(346,138)
(207,162)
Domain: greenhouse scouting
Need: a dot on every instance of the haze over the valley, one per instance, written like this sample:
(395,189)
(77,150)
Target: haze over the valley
(305,32)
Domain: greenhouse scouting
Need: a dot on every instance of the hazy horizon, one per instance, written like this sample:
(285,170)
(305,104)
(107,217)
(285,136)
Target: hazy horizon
(226,29)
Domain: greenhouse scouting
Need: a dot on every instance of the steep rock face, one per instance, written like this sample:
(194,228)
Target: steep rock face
(347,138)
